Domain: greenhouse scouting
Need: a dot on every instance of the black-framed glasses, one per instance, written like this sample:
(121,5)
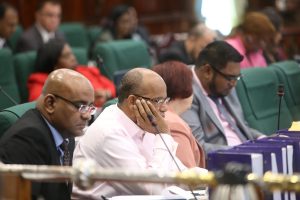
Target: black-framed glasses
(158,101)
(79,106)
(228,77)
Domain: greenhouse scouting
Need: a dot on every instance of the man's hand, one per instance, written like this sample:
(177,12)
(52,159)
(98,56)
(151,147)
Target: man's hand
(148,117)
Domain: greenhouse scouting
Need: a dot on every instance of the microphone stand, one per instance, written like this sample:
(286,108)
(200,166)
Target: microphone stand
(280,93)
(8,96)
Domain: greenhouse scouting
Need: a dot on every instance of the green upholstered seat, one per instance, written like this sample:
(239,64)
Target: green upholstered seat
(10,115)
(75,34)
(8,81)
(288,73)
(13,40)
(24,66)
(81,55)
(257,91)
(121,55)
(93,34)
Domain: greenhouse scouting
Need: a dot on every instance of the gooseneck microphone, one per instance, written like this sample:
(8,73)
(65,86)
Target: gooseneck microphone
(8,96)
(280,93)
(153,123)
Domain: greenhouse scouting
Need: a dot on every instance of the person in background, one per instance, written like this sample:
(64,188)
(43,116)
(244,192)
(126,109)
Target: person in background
(251,37)
(62,112)
(57,54)
(273,51)
(187,51)
(47,16)
(178,78)
(123,24)
(8,24)
(216,116)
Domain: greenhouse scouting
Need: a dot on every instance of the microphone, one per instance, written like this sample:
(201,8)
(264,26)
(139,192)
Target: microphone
(99,61)
(8,96)
(280,93)
(153,123)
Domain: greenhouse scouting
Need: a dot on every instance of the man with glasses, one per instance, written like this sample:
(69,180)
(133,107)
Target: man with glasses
(130,135)
(216,116)
(45,135)
(48,16)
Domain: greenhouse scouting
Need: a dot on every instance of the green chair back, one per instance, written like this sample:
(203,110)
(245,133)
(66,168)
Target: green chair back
(24,65)
(75,34)
(10,115)
(288,73)
(13,40)
(257,91)
(81,55)
(121,55)
(8,83)
(93,34)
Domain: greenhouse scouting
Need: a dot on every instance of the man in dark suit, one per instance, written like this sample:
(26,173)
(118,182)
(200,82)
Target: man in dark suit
(48,17)
(216,117)
(8,23)
(186,51)
(62,112)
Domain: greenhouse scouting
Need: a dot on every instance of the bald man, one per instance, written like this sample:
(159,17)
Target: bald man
(61,113)
(188,50)
(123,137)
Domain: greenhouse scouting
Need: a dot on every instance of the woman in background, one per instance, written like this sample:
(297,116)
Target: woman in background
(178,78)
(57,54)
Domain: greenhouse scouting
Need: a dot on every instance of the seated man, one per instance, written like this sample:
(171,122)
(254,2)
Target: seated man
(48,15)
(61,113)
(216,116)
(187,51)
(123,136)
(8,24)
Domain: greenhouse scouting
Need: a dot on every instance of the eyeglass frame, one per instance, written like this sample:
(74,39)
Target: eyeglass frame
(159,102)
(79,106)
(228,77)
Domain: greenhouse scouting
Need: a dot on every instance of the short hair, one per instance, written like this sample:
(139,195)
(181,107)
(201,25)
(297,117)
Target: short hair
(178,78)
(218,54)
(48,55)
(118,11)
(258,24)
(3,8)
(40,5)
(129,84)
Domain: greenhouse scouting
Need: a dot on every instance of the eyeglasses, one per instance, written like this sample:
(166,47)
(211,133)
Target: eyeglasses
(228,77)
(83,109)
(158,101)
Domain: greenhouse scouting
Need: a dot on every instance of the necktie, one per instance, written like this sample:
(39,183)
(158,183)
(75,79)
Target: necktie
(67,154)
(227,117)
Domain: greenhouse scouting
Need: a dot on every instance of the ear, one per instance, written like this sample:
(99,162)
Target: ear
(49,103)
(207,71)
(131,101)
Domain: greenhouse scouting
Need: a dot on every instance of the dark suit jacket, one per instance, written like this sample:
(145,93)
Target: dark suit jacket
(205,125)
(31,39)
(177,52)
(30,141)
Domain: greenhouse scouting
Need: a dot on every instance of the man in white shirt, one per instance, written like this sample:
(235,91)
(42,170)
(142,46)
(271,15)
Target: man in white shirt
(8,24)
(123,136)
(48,16)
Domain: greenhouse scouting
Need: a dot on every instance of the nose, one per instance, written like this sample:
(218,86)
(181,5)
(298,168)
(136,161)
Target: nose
(86,116)
(163,107)
(233,82)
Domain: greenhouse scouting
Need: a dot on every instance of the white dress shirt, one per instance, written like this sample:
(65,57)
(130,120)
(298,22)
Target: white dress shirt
(115,141)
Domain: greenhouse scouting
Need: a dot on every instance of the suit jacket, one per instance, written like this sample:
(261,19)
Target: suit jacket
(176,51)
(205,125)
(31,39)
(30,141)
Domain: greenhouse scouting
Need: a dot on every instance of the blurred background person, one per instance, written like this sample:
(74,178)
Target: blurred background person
(274,51)
(123,24)
(186,51)
(251,37)
(8,24)
(57,54)
(178,78)
(47,21)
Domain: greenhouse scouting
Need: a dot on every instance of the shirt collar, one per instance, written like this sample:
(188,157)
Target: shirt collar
(58,139)
(2,42)
(46,36)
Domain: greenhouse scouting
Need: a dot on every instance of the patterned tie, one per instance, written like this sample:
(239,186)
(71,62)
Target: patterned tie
(228,117)
(67,154)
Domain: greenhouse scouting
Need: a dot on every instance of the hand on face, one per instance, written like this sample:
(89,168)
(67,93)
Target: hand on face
(142,111)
